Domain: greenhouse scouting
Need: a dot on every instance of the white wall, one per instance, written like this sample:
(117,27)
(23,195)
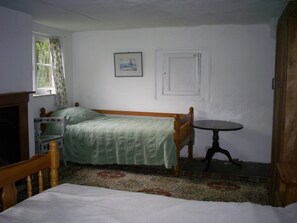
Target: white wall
(242,65)
(16,58)
(15,48)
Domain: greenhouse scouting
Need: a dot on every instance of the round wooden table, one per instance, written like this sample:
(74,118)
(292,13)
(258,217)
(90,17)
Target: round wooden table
(216,126)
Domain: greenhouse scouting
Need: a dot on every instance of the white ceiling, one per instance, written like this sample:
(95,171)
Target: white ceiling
(83,15)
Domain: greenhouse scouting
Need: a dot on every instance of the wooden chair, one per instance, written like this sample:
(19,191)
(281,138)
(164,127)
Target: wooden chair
(48,129)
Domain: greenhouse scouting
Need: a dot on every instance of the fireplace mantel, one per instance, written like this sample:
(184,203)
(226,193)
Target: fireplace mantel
(20,100)
(12,98)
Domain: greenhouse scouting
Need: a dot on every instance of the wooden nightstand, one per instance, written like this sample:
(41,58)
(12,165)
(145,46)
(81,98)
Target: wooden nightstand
(287,190)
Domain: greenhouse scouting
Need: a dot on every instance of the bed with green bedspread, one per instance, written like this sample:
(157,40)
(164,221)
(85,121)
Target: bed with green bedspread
(94,138)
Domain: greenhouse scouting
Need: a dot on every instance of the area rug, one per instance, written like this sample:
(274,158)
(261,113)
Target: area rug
(190,185)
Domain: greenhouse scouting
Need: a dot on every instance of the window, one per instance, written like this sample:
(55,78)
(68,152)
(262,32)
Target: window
(182,74)
(43,81)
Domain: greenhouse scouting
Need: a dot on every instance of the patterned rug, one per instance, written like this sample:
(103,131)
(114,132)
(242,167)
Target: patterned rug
(190,185)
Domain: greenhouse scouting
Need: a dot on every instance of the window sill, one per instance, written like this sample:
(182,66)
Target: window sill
(43,95)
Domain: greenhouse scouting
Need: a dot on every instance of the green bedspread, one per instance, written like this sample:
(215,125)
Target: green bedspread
(92,138)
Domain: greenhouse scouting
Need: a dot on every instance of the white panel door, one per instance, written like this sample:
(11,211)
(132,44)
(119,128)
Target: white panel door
(181,74)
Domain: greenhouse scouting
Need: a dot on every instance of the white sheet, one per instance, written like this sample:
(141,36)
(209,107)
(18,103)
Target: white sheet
(73,203)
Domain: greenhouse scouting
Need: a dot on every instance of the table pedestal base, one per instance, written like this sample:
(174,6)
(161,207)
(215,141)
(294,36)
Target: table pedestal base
(216,149)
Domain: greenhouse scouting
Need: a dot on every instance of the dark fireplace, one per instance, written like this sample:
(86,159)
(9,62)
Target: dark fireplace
(9,135)
(14,140)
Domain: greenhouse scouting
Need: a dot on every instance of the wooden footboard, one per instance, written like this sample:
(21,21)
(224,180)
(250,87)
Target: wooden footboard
(183,128)
(183,135)
(24,170)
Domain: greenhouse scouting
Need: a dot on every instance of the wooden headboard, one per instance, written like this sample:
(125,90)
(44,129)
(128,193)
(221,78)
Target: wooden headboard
(23,170)
(44,113)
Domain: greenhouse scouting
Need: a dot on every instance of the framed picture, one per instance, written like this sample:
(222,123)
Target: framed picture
(128,64)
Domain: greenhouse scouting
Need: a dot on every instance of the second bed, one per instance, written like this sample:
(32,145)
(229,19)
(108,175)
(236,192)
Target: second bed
(92,137)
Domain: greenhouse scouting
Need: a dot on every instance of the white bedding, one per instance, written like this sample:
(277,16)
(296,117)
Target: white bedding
(73,203)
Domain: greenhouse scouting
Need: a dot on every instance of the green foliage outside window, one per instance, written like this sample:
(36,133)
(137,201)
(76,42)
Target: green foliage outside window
(43,65)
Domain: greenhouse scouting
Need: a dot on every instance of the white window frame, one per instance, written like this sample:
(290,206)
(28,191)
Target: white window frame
(199,74)
(40,91)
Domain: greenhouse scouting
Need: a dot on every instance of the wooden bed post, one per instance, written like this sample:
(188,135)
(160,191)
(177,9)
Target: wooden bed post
(9,196)
(42,115)
(54,163)
(177,143)
(190,146)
